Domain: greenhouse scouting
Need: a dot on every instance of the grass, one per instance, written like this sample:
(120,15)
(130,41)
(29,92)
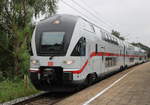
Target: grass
(11,90)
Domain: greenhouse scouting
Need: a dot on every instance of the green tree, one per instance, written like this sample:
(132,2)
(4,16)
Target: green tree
(117,34)
(142,46)
(16,29)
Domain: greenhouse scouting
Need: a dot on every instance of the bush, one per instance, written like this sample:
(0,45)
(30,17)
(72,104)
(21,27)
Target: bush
(10,90)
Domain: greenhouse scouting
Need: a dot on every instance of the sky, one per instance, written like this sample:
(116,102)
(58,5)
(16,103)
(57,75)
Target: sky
(130,17)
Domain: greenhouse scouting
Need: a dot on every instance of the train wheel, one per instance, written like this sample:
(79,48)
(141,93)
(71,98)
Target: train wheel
(126,66)
(121,68)
(92,78)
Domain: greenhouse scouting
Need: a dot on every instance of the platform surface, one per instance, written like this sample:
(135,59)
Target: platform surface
(133,89)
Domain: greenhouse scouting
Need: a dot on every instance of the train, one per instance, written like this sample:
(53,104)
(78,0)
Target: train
(69,51)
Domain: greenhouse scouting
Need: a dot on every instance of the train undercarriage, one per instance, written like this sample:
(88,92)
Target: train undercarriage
(53,79)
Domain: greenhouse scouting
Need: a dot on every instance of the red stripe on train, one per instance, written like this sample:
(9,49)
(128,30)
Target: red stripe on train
(100,54)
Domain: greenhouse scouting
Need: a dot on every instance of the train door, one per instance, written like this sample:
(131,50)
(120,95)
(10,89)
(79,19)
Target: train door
(102,60)
(124,55)
(103,68)
(96,60)
(83,54)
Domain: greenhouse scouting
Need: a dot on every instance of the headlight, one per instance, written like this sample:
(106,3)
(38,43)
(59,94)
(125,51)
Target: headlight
(34,62)
(68,62)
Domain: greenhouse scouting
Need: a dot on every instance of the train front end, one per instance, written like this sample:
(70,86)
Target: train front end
(49,61)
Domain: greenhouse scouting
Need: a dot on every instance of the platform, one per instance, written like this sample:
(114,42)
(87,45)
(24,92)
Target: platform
(132,89)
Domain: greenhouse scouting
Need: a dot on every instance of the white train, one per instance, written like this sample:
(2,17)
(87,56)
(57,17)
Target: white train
(69,51)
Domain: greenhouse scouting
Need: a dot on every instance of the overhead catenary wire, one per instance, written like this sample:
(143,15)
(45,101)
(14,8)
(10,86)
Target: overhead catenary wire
(73,8)
(94,13)
(91,13)
(102,18)
(85,16)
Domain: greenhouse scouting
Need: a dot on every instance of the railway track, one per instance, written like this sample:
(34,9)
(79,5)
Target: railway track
(51,98)
(45,99)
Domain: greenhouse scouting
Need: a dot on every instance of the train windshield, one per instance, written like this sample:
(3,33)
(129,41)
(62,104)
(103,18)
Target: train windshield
(52,38)
(52,43)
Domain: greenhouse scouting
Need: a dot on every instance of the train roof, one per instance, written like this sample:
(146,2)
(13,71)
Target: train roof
(61,17)
(72,19)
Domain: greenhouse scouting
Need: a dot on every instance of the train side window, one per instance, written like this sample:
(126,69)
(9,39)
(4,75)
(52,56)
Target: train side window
(80,48)
(112,39)
(103,36)
(131,59)
(117,42)
(109,62)
(109,38)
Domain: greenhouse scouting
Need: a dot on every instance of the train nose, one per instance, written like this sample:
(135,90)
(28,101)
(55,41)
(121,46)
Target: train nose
(50,77)
(57,75)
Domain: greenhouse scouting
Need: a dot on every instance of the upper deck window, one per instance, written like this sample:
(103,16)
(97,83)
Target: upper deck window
(109,38)
(92,28)
(104,37)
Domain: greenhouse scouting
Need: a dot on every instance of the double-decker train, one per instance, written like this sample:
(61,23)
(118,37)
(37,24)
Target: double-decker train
(69,51)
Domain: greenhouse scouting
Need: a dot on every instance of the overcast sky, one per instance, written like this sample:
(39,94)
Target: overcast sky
(130,17)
